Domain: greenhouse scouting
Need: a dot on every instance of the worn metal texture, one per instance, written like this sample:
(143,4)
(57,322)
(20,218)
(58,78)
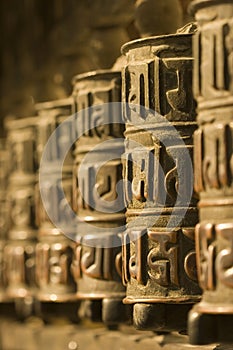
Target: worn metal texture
(56,288)
(19,251)
(159,267)
(211,320)
(97,263)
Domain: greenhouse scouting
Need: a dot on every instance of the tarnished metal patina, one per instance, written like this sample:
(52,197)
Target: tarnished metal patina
(211,320)
(19,252)
(56,292)
(97,264)
(159,267)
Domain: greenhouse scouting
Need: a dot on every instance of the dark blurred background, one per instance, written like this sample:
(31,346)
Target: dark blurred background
(44,43)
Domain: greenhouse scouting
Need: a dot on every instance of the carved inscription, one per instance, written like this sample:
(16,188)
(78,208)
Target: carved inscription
(21,143)
(213,68)
(22,203)
(139,88)
(137,268)
(180,98)
(133,256)
(224,260)
(20,264)
(158,175)
(190,266)
(206,253)
(98,187)
(213,156)
(51,189)
(213,263)
(58,144)
(53,264)
(96,117)
(92,266)
(161,85)
(163,260)
(125,258)
(141,171)
(97,262)
(161,263)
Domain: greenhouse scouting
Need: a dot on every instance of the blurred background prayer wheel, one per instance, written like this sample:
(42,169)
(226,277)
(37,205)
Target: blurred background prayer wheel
(6,303)
(54,251)
(100,207)
(19,252)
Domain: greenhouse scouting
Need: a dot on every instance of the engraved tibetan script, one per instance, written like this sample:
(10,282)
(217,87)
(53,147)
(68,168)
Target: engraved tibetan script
(159,85)
(206,252)
(163,260)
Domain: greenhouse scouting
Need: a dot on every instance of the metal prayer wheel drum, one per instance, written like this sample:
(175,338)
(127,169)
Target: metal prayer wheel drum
(97,263)
(158,250)
(51,115)
(56,292)
(211,320)
(55,154)
(19,252)
(6,305)
(21,141)
(4,174)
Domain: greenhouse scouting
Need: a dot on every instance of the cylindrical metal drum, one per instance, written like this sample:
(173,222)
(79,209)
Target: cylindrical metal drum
(100,208)
(19,252)
(158,246)
(56,287)
(6,304)
(211,320)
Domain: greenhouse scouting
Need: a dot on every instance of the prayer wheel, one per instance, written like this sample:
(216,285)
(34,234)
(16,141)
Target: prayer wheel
(211,320)
(99,206)
(19,251)
(158,249)
(54,250)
